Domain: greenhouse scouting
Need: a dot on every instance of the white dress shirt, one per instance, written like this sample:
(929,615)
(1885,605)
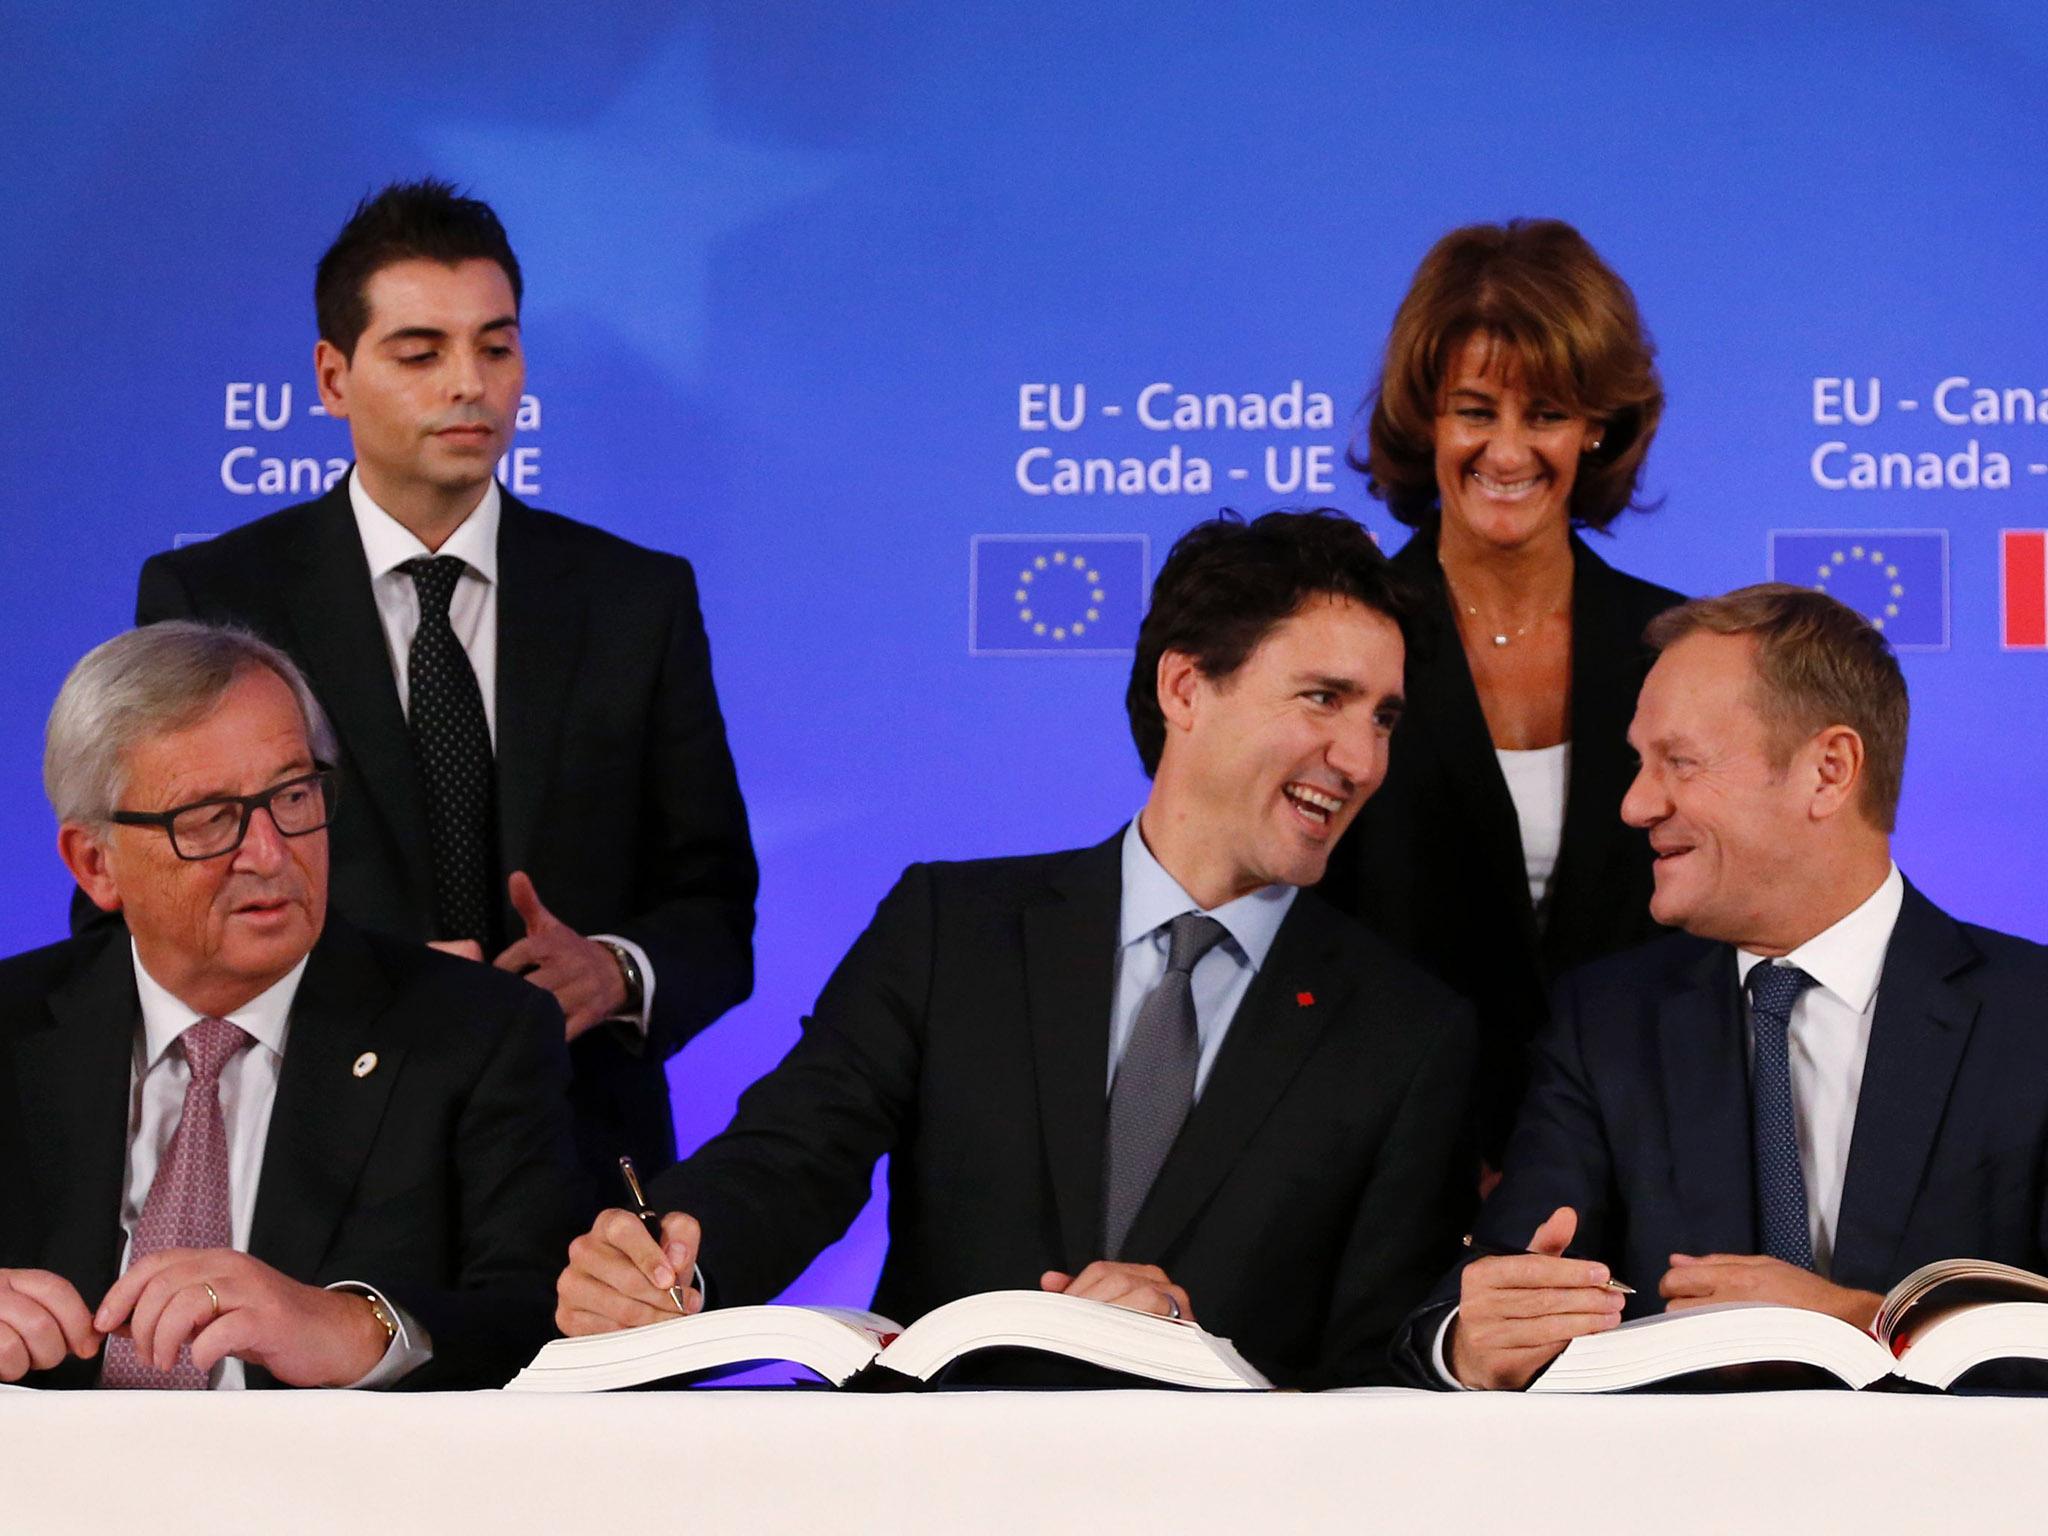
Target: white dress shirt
(1827,1041)
(248,1090)
(1151,899)
(472,609)
(472,614)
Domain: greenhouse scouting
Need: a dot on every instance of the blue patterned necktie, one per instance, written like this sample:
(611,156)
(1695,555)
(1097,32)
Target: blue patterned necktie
(1780,1186)
(1154,1085)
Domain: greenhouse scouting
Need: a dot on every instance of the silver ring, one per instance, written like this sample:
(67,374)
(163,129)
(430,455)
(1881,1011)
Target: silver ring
(213,1296)
(1172,1310)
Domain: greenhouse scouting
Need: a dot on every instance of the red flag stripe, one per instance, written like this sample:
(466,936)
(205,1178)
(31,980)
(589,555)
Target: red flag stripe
(2026,589)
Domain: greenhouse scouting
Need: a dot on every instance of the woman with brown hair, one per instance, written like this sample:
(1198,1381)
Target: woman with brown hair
(1516,404)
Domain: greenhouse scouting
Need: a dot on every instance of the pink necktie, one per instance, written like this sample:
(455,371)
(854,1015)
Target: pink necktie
(187,1206)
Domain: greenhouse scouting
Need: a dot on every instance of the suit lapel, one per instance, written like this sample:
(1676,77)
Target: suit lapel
(75,1123)
(542,608)
(1605,662)
(1917,1038)
(333,616)
(1070,945)
(325,1116)
(1706,1099)
(1444,712)
(1270,1038)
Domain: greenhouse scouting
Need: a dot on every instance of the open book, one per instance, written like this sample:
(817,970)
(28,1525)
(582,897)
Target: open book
(838,1344)
(1940,1321)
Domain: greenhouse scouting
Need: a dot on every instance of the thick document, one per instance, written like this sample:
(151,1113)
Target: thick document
(842,1345)
(1938,1323)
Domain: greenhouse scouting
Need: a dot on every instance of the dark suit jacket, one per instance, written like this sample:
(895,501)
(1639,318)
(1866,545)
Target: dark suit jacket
(1638,1116)
(443,1177)
(616,790)
(1434,861)
(1311,1198)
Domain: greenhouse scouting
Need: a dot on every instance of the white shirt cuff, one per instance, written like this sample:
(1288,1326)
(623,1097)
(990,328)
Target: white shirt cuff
(637,1020)
(409,1349)
(1436,1352)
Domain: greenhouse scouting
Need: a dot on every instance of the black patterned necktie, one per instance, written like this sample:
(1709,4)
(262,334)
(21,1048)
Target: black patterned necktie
(1781,1211)
(451,743)
(1154,1086)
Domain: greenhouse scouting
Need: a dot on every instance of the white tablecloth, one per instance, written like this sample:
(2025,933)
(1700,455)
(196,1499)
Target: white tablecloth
(666,1464)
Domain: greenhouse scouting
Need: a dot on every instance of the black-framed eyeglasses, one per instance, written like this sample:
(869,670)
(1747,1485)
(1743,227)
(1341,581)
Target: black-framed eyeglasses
(206,829)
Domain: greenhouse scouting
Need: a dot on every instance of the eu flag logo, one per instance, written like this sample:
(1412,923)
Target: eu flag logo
(1076,594)
(1897,578)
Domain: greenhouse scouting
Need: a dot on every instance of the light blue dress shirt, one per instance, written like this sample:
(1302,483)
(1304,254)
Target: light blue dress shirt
(1151,899)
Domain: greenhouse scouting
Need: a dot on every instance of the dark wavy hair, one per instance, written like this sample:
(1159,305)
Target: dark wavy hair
(407,221)
(1227,584)
(1564,327)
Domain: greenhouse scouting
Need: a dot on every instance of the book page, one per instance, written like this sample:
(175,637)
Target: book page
(1934,1291)
(1970,1336)
(1649,1350)
(873,1324)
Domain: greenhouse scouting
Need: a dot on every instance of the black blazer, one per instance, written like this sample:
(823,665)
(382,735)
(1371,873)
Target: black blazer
(1638,1116)
(443,1177)
(1434,861)
(616,789)
(1311,1198)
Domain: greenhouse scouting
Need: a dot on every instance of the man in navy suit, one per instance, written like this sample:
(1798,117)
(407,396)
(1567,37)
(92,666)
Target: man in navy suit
(1822,1084)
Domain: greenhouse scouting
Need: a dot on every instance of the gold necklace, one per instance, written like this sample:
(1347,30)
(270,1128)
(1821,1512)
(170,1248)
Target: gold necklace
(1500,637)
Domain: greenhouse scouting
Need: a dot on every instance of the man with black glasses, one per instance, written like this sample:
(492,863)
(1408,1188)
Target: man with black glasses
(244,1145)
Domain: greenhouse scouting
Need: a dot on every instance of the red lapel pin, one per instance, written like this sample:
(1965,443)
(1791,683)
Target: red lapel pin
(1304,999)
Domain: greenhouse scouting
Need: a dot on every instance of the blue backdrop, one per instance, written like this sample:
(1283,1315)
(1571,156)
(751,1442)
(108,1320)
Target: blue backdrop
(841,302)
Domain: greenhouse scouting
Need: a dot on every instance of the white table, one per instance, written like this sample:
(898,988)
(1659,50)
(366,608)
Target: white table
(651,1464)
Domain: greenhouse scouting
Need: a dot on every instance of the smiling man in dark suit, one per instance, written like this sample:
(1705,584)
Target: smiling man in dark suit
(1822,1084)
(1155,1071)
(245,1145)
(531,746)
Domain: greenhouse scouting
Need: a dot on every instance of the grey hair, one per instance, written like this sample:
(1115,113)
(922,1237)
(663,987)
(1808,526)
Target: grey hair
(145,683)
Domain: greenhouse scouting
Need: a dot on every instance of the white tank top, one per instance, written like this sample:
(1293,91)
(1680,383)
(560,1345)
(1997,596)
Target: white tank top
(1536,782)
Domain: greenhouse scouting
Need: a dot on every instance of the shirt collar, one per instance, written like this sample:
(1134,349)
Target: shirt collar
(388,543)
(1848,958)
(1153,897)
(266,1016)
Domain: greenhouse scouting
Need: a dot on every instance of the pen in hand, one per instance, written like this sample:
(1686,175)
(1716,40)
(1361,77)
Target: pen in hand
(647,1217)
(1487,1250)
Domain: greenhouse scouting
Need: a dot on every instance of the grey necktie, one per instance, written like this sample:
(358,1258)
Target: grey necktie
(1155,1082)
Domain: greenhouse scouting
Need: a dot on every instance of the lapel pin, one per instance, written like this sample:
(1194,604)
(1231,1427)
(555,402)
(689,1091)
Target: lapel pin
(365,1064)
(1304,999)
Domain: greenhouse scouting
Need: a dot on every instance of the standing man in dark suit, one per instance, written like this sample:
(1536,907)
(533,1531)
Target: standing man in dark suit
(244,1145)
(1823,1084)
(1153,1072)
(531,746)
